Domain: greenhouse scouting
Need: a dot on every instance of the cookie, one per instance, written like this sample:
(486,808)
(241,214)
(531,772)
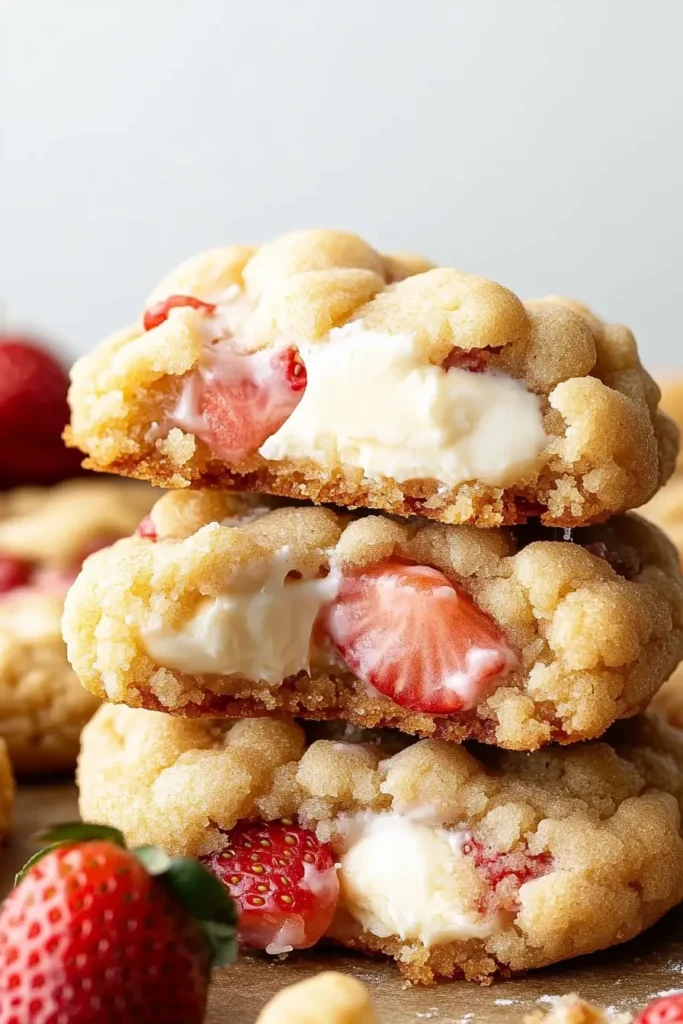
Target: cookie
(451,861)
(44,535)
(510,636)
(317,368)
(666,507)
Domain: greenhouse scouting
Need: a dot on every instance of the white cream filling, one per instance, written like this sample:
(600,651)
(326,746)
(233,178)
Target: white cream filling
(260,628)
(402,877)
(372,401)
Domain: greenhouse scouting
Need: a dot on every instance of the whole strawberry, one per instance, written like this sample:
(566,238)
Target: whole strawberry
(33,413)
(94,932)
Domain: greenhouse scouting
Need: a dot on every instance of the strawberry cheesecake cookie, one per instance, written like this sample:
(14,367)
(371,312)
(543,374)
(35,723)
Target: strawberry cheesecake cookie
(316,368)
(512,636)
(44,536)
(448,860)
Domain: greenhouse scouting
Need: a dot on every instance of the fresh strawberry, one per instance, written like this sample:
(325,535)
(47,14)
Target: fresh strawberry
(247,397)
(283,880)
(96,934)
(147,529)
(13,573)
(667,1010)
(158,313)
(416,637)
(33,388)
(33,412)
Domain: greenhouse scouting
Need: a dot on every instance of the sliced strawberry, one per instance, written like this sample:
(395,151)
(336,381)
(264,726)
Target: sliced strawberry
(283,880)
(158,313)
(248,396)
(147,529)
(667,1010)
(14,572)
(418,638)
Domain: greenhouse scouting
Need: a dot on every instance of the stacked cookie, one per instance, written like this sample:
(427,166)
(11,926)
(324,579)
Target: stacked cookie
(397,516)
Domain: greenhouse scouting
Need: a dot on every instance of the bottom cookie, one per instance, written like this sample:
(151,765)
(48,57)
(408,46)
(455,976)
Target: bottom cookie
(452,861)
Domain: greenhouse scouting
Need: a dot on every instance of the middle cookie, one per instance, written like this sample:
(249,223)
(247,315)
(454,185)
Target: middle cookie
(519,637)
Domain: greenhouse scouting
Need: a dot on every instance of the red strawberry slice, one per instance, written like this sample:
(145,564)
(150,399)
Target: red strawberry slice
(247,397)
(418,638)
(283,880)
(157,314)
(667,1010)
(13,573)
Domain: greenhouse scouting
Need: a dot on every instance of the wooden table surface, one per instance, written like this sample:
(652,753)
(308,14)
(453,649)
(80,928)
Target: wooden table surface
(625,978)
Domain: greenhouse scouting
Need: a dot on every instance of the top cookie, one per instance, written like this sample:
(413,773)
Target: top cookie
(315,367)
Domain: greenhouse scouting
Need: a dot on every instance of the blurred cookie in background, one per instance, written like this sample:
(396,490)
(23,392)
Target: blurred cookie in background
(666,508)
(45,534)
(33,413)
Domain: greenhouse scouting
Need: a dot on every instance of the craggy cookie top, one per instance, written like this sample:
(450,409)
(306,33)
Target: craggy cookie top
(591,830)
(316,367)
(512,636)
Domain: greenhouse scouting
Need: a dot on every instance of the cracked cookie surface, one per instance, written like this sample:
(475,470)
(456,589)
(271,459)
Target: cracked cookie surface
(44,535)
(217,616)
(546,855)
(316,368)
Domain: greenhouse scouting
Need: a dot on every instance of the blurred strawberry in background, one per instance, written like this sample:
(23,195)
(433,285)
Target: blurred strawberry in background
(33,413)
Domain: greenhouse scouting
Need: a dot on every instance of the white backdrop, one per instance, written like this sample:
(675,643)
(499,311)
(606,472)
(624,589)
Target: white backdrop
(535,141)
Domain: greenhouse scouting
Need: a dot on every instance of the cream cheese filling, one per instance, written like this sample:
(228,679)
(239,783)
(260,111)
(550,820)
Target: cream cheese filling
(259,628)
(373,401)
(402,877)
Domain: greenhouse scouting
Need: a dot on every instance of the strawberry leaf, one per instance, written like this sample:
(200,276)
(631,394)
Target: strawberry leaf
(208,902)
(81,832)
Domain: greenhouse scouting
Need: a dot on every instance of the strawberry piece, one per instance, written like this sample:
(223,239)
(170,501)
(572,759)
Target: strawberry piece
(416,637)
(476,360)
(158,313)
(283,880)
(96,934)
(249,397)
(667,1010)
(13,573)
(147,529)
(519,865)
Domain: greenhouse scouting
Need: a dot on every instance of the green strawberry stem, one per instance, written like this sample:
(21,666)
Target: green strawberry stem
(192,885)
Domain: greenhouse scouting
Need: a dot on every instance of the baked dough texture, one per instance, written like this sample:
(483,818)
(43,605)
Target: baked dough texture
(609,447)
(604,816)
(596,622)
(43,707)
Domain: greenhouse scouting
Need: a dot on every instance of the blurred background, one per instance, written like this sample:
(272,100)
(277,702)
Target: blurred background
(538,143)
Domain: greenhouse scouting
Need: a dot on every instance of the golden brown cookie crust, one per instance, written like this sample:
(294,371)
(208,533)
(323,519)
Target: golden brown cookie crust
(607,814)
(609,447)
(43,707)
(593,645)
